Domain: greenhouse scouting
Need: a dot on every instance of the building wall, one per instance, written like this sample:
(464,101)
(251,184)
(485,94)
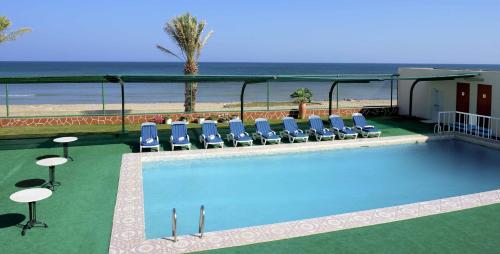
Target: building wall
(424,98)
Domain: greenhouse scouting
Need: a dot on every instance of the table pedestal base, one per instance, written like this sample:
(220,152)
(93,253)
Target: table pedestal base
(65,151)
(52,182)
(32,221)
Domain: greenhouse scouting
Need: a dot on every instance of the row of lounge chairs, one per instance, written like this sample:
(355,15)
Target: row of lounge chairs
(237,134)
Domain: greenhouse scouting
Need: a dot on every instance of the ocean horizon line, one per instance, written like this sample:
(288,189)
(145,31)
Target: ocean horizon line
(242,62)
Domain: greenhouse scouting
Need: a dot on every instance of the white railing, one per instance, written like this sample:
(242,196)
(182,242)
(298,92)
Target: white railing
(480,126)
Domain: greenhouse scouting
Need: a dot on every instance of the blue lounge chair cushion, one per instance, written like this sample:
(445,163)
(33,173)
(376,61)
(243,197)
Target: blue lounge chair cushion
(360,122)
(213,139)
(150,142)
(324,132)
(270,135)
(181,141)
(370,129)
(292,128)
(179,134)
(149,135)
(298,134)
(264,128)
(338,123)
(210,132)
(317,125)
(347,131)
(238,130)
(243,137)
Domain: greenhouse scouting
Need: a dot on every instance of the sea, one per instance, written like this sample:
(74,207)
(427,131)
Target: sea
(207,92)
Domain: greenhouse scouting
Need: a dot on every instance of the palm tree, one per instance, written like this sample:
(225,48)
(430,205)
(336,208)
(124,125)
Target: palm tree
(186,32)
(4,25)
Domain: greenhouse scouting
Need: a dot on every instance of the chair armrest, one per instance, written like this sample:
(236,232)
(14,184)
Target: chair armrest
(368,126)
(284,131)
(140,139)
(158,139)
(301,131)
(187,136)
(258,133)
(358,127)
(336,129)
(218,135)
(246,133)
(171,138)
(202,136)
(312,130)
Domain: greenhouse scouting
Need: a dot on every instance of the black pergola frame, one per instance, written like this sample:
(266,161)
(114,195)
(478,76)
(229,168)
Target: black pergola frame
(246,79)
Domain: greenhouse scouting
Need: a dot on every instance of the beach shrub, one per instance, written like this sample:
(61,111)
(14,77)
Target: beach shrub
(212,117)
(302,95)
(158,119)
(223,118)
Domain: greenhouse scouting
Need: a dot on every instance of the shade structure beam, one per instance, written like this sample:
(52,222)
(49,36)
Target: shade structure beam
(410,110)
(330,96)
(242,95)
(122,91)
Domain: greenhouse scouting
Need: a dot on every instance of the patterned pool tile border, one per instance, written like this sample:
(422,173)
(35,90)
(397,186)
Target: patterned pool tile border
(128,233)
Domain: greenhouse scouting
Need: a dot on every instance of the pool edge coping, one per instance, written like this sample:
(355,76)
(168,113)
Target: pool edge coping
(128,231)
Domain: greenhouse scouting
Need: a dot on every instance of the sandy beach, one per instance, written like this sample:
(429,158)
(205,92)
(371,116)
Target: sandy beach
(134,108)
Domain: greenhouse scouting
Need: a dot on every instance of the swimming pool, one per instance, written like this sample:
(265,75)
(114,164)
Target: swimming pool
(248,191)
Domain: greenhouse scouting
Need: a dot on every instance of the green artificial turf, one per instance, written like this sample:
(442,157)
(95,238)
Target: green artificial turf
(391,126)
(469,231)
(80,212)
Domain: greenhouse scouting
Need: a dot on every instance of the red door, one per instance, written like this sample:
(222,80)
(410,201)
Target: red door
(484,100)
(463,97)
(483,103)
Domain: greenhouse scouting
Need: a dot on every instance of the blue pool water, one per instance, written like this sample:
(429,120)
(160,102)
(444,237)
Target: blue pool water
(248,191)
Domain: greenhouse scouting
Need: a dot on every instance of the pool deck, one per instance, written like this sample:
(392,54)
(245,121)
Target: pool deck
(128,232)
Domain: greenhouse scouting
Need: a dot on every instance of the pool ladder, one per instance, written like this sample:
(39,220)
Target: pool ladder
(174,225)
(201,224)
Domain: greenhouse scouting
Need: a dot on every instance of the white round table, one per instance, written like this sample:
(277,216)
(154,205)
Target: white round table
(51,163)
(65,141)
(31,196)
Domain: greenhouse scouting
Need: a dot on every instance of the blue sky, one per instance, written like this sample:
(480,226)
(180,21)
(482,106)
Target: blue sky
(385,31)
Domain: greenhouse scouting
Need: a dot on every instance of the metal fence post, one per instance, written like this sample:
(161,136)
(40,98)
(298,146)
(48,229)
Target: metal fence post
(268,96)
(392,87)
(122,87)
(337,96)
(397,92)
(102,99)
(7,99)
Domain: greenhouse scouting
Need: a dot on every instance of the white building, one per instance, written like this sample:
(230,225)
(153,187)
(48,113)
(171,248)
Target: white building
(478,95)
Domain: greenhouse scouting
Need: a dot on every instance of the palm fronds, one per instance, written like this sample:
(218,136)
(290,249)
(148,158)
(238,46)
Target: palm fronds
(186,32)
(4,25)
(302,95)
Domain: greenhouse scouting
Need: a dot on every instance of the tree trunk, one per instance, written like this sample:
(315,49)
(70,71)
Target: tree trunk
(190,88)
(302,110)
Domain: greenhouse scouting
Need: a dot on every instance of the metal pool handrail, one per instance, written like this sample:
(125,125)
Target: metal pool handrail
(174,225)
(480,126)
(201,227)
